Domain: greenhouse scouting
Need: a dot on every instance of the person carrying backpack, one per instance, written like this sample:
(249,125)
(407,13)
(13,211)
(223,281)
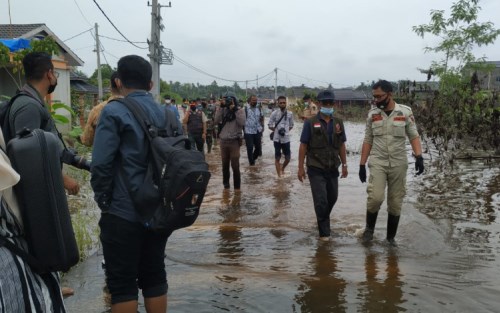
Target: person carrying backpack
(134,255)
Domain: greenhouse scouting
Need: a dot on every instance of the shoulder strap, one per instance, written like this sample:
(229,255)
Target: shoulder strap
(28,258)
(283,115)
(139,115)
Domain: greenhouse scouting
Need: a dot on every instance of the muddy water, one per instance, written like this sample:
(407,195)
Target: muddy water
(257,250)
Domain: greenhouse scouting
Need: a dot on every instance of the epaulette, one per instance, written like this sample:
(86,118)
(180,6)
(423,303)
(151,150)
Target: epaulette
(406,107)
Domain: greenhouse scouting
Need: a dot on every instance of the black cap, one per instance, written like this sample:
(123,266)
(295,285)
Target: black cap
(326,95)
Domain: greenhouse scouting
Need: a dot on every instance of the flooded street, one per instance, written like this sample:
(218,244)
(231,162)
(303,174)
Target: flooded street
(258,251)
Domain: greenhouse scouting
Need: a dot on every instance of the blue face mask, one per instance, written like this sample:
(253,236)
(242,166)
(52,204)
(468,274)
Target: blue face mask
(327,111)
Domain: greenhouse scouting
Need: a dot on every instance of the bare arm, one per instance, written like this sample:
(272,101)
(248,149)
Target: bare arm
(416,146)
(301,174)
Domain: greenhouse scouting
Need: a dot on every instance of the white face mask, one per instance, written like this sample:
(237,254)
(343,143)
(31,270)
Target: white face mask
(168,101)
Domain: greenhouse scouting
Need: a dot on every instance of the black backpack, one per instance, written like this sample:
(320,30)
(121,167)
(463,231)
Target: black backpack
(5,112)
(176,179)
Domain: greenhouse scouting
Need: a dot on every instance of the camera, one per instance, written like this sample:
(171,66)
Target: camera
(71,157)
(228,101)
(282,132)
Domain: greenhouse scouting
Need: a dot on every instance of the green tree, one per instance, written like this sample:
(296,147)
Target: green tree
(460,32)
(106,71)
(460,115)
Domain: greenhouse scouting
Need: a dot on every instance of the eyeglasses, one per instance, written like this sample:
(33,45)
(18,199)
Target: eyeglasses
(56,74)
(379,96)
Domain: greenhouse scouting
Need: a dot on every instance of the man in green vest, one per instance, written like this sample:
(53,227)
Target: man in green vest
(387,126)
(323,142)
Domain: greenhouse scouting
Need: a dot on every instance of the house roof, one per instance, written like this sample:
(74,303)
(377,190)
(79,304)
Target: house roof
(80,84)
(350,95)
(30,31)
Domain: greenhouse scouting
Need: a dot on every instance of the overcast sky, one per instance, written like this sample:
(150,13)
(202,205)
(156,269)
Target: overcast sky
(310,42)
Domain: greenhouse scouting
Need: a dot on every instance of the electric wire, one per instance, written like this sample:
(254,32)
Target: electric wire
(121,40)
(85,31)
(185,63)
(116,28)
(83,15)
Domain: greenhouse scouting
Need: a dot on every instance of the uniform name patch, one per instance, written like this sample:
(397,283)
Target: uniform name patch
(376,117)
(317,125)
(399,118)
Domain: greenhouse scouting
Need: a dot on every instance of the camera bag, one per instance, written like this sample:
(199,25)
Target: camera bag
(176,179)
(35,155)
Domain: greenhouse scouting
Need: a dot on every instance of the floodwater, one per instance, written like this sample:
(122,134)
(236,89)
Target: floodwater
(257,250)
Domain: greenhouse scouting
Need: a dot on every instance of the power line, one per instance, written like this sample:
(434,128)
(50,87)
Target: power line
(116,28)
(176,57)
(115,39)
(77,35)
(83,15)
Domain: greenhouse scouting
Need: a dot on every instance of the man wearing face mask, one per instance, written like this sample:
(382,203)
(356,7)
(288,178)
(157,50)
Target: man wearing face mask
(323,142)
(196,125)
(29,110)
(387,126)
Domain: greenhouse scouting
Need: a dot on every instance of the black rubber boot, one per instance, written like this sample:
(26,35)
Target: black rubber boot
(392,228)
(371,220)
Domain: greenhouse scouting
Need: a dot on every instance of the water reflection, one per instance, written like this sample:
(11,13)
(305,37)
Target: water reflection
(323,290)
(382,294)
(229,244)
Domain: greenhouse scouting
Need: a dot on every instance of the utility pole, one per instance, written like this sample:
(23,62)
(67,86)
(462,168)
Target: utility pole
(275,84)
(157,55)
(246,88)
(98,51)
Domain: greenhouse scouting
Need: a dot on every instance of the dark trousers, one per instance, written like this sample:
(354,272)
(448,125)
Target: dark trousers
(325,190)
(135,258)
(230,154)
(254,147)
(197,139)
(209,141)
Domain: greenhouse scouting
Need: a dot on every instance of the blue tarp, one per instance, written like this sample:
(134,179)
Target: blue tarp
(16,44)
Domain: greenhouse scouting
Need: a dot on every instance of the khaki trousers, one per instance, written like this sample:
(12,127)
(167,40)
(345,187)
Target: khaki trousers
(395,180)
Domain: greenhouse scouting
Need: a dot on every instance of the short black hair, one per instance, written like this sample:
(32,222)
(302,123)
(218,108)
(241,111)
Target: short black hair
(36,64)
(135,72)
(112,79)
(281,97)
(306,97)
(384,85)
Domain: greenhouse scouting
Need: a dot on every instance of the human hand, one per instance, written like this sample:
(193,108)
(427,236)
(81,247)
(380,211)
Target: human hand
(344,172)
(301,173)
(204,136)
(362,173)
(71,185)
(419,164)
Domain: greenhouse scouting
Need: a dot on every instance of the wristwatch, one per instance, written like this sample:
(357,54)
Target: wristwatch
(344,165)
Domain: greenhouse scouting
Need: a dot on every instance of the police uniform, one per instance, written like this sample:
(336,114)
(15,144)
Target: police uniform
(388,161)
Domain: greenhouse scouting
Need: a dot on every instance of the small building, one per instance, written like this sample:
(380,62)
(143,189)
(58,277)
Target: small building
(63,62)
(488,79)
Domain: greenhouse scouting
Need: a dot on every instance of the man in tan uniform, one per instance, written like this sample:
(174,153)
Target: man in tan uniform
(87,136)
(387,127)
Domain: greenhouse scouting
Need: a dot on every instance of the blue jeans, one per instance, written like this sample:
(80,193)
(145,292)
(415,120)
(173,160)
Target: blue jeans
(325,190)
